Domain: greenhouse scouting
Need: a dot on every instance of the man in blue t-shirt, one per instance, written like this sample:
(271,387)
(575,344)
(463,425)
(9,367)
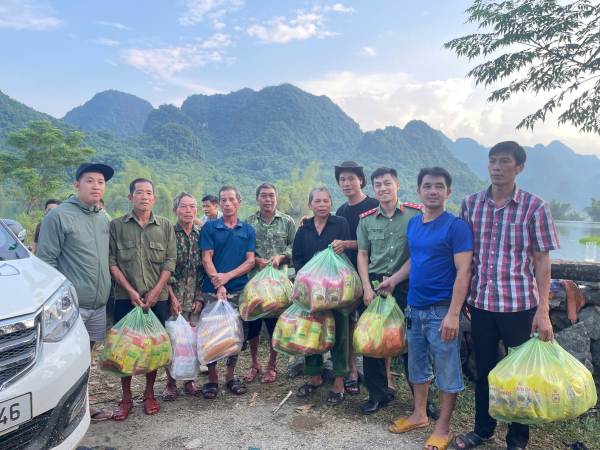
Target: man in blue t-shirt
(228,246)
(441,250)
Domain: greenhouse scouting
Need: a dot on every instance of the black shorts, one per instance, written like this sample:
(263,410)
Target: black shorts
(254,327)
(124,307)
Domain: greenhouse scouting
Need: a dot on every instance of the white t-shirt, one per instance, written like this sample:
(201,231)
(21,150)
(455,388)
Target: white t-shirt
(206,219)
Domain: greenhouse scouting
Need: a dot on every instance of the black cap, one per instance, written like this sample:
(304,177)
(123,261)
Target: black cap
(351,166)
(105,170)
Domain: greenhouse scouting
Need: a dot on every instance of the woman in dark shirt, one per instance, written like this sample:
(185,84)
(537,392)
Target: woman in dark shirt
(313,236)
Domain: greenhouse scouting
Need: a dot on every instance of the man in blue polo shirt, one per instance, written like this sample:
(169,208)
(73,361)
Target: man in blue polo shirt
(441,249)
(228,246)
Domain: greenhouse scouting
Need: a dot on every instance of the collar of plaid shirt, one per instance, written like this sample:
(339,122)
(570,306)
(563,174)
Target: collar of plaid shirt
(505,239)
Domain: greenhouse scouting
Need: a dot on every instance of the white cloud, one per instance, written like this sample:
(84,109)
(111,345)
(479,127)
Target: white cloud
(164,62)
(156,88)
(338,7)
(72,35)
(118,26)
(111,62)
(105,41)
(217,41)
(197,9)
(453,106)
(237,28)
(27,15)
(304,26)
(367,51)
(218,25)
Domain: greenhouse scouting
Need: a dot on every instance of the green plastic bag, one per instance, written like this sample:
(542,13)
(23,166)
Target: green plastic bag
(301,333)
(327,281)
(540,382)
(380,331)
(137,344)
(267,294)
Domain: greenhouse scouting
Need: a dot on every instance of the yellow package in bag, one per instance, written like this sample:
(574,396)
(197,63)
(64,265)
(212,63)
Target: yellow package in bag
(540,382)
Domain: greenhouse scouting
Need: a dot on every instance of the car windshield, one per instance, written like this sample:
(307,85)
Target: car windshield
(8,245)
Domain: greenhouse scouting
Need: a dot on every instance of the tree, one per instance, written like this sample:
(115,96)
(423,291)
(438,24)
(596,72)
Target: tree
(46,157)
(560,211)
(556,50)
(594,210)
(293,197)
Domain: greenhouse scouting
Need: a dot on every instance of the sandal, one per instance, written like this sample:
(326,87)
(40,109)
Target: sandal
(391,394)
(170,393)
(403,425)
(252,373)
(269,376)
(192,387)
(122,413)
(471,440)
(334,396)
(152,406)
(210,390)
(439,443)
(352,387)
(308,389)
(236,386)
(101,411)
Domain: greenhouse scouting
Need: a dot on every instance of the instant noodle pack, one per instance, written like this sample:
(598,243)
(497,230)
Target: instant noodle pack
(540,382)
(380,330)
(137,344)
(327,281)
(299,332)
(267,294)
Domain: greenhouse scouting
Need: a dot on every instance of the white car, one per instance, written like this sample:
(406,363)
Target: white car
(44,354)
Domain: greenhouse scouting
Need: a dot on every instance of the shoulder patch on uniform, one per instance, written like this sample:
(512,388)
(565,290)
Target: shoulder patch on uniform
(414,205)
(367,213)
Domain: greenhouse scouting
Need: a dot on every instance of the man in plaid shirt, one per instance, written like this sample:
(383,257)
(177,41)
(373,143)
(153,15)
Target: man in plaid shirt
(513,233)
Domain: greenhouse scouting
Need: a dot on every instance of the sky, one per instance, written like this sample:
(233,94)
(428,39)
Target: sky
(381,61)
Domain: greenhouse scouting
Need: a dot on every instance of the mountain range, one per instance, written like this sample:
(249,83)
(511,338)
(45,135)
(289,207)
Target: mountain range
(246,137)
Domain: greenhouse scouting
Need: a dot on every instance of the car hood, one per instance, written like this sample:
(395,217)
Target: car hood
(25,284)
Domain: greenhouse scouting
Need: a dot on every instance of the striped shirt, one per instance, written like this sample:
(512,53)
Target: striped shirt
(505,240)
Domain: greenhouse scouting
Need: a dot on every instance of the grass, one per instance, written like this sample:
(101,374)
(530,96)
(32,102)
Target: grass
(584,240)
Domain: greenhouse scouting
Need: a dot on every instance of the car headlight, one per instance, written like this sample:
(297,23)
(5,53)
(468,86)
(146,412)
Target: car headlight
(60,313)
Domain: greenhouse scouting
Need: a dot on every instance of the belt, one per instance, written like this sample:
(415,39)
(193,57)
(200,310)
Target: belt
(440,303)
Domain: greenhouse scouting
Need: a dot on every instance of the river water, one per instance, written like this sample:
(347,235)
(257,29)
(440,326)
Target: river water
(568,233)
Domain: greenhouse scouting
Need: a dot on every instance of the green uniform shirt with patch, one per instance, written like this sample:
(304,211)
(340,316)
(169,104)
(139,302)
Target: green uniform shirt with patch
(385,238)
(189,273)
(142,253)
(274,238)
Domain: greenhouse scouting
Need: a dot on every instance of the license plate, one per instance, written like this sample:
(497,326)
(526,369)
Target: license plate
(14,412)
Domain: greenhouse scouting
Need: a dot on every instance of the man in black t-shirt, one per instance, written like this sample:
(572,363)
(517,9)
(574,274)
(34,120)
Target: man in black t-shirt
(352,178)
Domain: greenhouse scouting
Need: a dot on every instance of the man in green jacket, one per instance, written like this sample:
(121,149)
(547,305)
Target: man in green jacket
(74,239)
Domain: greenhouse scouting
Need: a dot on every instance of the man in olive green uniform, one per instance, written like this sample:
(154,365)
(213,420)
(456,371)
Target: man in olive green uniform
(382,250)
(275,234)
(142,257)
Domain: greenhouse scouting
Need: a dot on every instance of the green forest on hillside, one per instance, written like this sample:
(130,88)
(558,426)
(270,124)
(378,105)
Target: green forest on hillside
(243,138)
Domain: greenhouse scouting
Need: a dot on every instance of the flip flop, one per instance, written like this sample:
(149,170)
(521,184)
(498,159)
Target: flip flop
(269,376)
(308,389)
(403,425)
(94,417)
(170,393)
(152,407)
(192,388)
(252,373)
(471,440)
(439,443)
(236,387)
(352,384)
(122,413)
(208,389)
(334,396)
(391,394)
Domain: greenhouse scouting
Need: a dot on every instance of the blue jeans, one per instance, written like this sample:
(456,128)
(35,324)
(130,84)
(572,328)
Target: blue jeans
(425,347)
